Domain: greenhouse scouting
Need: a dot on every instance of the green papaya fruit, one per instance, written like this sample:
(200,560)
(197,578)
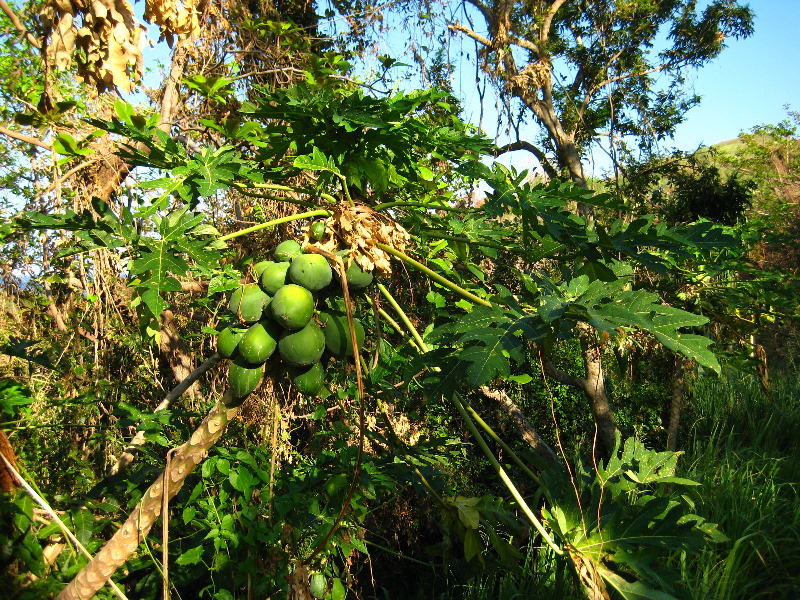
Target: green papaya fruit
(259,342)
(310,381)
(312,271)
(273,277)
(258,268)
(243,380)
(303,347)
(228,339)
(317,585)
(336,484)
(287,250)
(248,302)
(338,340)
(357,278)
(292,306)
(318,230)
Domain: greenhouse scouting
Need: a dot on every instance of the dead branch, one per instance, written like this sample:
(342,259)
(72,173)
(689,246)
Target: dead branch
(138,440)
(529,434)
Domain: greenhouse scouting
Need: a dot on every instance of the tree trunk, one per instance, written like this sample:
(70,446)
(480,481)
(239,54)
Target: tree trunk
(127,539)
(593,386)
(529,434)
(8,483)
(175,350)
(595,390)
(678,393)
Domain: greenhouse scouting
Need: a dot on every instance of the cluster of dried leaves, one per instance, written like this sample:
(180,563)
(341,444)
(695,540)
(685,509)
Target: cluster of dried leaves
(359,229)
(104,38)
(173,17)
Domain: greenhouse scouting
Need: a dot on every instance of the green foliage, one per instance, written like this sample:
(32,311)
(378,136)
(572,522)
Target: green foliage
(745,449)
(153,261)
(15,400)
(623,520)
(520,273)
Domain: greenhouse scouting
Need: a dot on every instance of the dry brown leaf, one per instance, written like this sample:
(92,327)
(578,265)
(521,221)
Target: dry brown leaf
(62,42)
(359,229)
(174,18)
(108,34)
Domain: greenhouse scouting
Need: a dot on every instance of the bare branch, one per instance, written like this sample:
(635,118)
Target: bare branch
(561,376)
(138,440)
(482,8)
(469,33)
(529,434)
(18,24)
(24,137)
(544,30)
(523,145)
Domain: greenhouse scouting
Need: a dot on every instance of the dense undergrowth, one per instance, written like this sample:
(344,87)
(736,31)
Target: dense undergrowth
(743,449)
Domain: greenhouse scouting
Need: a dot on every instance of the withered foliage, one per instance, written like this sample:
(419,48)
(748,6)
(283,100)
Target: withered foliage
(104,39)
(359,229)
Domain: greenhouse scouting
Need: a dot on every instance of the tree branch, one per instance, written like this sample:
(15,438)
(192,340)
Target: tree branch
(126,540)
(138,440)
(561,376)
(469,33)
(24,137)
(18,24)
(529,434)
(482,8)
(523,145)
(544,30)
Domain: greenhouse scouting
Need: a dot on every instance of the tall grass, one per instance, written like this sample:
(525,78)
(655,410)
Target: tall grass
(745,450)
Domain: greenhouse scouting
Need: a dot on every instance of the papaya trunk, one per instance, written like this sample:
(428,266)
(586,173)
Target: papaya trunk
(127,539)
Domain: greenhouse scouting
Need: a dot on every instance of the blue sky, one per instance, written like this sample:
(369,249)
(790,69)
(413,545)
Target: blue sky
(751,81)
(749,84)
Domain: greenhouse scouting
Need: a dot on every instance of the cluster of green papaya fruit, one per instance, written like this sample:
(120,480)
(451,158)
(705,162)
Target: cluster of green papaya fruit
(278,316)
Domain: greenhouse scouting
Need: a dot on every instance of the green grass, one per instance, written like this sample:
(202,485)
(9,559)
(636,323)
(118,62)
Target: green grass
(745,450)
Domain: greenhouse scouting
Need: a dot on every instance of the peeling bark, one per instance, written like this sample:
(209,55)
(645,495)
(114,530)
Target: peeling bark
(127,539)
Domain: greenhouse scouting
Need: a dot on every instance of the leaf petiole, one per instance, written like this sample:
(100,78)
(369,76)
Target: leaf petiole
(260,226)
